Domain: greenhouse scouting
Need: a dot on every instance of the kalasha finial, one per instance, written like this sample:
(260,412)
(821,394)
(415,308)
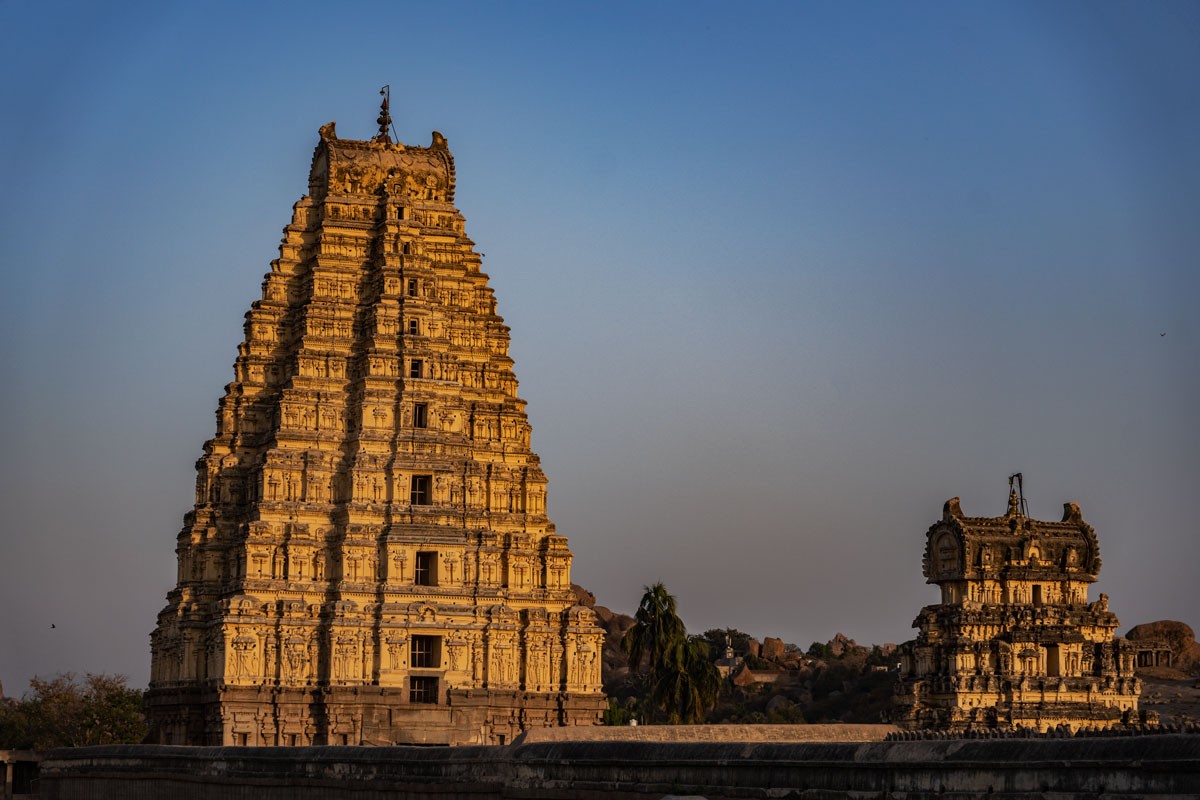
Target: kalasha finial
(385,116)
(1016,496)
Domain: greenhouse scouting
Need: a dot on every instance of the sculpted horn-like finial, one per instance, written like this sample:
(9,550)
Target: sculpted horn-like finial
(952,508)
(1071,512)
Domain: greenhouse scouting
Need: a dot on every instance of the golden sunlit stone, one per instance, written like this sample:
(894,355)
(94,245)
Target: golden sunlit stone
(1015,641)
(369,559)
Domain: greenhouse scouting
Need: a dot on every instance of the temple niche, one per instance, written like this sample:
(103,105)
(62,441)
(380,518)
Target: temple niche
(369,559)
(1014,641)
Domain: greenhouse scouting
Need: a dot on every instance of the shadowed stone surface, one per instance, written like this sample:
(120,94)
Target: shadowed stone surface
(712,733)
(1164,766)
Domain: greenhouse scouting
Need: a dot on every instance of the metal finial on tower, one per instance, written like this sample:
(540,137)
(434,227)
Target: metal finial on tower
(385,116)
(1016,496)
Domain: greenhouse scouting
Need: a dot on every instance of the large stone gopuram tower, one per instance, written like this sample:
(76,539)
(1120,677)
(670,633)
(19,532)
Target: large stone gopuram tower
(1014,641)
(369,558)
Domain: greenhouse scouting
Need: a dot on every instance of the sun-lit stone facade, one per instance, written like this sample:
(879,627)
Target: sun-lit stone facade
(1014,641)
(369,558)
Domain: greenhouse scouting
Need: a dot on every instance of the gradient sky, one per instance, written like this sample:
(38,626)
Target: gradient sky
(782,278)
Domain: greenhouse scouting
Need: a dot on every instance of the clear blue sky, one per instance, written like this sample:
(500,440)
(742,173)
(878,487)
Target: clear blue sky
(782,278)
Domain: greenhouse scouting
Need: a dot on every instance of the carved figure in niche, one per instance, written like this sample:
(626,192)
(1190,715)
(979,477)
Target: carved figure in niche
(269,659)
(573,673)
(396,649)
(297,660)
(242,648)
(344,658)
(505,664)
(537,664)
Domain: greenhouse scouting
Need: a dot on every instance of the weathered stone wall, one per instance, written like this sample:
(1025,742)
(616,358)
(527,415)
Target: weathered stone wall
(711,733)
(1164,766)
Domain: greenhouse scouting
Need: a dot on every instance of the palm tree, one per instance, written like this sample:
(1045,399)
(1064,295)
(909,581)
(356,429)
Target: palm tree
(687,682)
(681,679)
(656,628)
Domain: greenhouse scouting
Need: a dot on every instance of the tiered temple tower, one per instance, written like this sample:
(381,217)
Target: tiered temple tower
(369,558)
(1014,641)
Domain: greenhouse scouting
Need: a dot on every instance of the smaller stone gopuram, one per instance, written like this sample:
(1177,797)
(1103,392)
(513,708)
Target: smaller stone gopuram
(1014,641)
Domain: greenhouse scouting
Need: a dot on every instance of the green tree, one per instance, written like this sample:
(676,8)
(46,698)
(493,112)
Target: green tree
(716,638)
(65,711)
(678,673)
(818,650)
(656,628)
(687,682)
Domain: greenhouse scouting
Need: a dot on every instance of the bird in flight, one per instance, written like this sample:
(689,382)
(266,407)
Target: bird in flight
(52,625)
(1162,334)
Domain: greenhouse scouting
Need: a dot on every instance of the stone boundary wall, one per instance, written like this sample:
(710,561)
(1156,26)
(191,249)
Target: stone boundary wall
(710,733)
(1164,766)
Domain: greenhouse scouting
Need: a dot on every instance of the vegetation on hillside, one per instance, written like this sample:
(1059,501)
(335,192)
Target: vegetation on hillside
(655,672)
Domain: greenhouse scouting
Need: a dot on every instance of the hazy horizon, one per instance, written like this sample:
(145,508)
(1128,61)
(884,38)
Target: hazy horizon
(781,280)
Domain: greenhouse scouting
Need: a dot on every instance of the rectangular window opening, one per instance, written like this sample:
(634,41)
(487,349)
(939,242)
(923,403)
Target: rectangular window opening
(421,494)
(412,287)
(415,368)
(422,689)
(425,652)
(425,571)
(420,415)
(414,327)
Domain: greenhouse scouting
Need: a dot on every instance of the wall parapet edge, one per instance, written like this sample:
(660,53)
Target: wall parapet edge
(1143,766)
